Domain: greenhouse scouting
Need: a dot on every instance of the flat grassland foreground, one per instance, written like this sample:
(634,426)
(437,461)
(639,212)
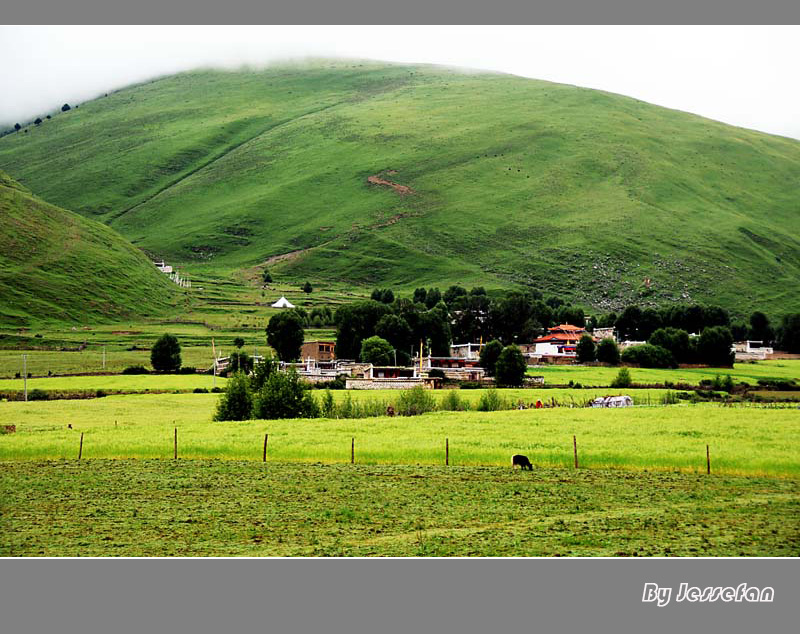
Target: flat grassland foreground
(641,489)
(217,507)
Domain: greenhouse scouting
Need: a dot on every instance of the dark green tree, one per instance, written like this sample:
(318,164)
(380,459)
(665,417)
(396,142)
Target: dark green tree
(420,294)
(788,338)
(266,277)
(453,293)
(285,335)
(510,367)
(240,361)
(396,331)
(65,107)
(433,297)
(165,355)
(376,351)
(354,323)
(608,352)
(307,288)
(676,341)
(489,355)
(238,342)
(236,403)
(586,349)
(649,356)
(714,347)
(17,127)
(760,330)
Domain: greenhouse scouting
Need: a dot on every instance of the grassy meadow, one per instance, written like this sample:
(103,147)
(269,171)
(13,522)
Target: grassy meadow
(743,440)
(229,508)
(590,376)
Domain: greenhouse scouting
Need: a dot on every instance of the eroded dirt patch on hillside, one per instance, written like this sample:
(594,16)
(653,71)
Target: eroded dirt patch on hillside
(377,179)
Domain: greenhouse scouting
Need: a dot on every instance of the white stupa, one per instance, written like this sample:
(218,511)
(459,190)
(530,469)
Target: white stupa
(283,303)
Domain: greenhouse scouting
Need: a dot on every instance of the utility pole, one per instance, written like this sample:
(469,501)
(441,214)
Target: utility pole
(25,374)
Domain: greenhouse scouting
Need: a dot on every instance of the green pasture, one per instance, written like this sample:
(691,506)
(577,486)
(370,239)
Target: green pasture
(517,183)
(132,382)
(743,440)
(603,375)
(237,508)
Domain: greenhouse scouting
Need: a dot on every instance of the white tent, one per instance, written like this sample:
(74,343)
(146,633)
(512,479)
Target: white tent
(283,303)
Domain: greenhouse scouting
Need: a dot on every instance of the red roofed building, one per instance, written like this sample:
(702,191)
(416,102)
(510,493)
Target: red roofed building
(559,341)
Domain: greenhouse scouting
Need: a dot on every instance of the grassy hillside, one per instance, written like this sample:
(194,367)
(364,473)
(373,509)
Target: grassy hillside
(58,266)
(478,179)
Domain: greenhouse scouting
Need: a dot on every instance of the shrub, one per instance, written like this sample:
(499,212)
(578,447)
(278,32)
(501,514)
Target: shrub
(649,356)
(165,355)
(136,369)
(436,373)
(284,395)
(216,390)
(490,401)
(415,401)
(623,378)
(345,408)
(669,398)
(511,367)
(451,402)
(328,406)
(100,393)
(187,370)
(261,372)
(470,385)
(237,401)
(200,390)
(37,395)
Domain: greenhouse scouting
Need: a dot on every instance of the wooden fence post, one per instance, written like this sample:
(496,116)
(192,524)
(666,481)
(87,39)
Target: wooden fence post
(352,451)
(575,450)
(708,461)
(447,451)
(80,449)
(266,436)
(176,444)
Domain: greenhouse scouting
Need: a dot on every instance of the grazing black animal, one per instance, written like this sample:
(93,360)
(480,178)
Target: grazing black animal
(522,462)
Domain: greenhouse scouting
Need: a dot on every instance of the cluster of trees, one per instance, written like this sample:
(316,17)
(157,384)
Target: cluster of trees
(666,348)
(266,393)
(437,319)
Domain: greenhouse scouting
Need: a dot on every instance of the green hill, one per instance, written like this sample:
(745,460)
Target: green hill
(479,178)
(56,266)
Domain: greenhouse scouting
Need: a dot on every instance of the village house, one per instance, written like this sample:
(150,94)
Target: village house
(466,350)
(751,351)
(558,345)
(455,368)
(318,350)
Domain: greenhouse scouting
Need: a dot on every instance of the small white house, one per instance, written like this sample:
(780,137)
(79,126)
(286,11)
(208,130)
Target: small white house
(283,303)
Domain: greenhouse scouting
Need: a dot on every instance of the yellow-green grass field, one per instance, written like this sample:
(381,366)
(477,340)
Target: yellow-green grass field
(743,440)
(124,382)
(603,375)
